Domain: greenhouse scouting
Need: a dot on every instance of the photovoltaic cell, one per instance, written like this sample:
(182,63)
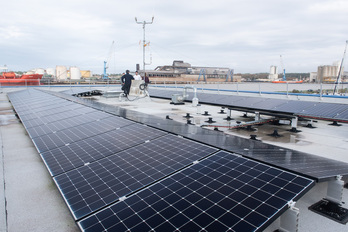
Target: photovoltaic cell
(325,110)
(54,108)
(223,192)
(77,154)
(304,108)
(91,187)
(26,110)
(69,113)
(67,123)
(67,136)
(342,116)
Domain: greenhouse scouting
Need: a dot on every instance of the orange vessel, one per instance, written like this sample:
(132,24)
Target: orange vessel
(290,82)
(11,78)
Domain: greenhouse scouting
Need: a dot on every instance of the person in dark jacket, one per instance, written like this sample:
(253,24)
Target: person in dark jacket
(126,82)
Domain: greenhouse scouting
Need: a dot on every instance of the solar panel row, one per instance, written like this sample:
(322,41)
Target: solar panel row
(333,111)
(316,167)
(168,181)
(313,166)
(221,193)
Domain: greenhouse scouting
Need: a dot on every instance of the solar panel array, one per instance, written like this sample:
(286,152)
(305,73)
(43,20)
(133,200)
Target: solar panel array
(321,110)
(223,192)
(110,163)
(76,91)
(312,166)
(315,167)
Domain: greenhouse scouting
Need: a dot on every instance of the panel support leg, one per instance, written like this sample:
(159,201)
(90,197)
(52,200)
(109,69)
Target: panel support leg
(294,122)
(289,219)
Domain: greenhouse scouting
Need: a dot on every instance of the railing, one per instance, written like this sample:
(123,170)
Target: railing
(249,88)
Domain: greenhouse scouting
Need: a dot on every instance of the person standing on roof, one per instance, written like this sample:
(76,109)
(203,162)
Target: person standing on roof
(126,82)
(137,77)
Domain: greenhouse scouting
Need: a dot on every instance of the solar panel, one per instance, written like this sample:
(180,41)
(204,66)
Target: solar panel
(223,192)
(82,91)
(316,167)
(342,116)
(77,154)
(27,110)
(67,136)
(269,104)
(305,108)
(214,98)
(55,126)
(55,114)
(248,102)
(91,187)
(54,108)
(42,101)
(325,110)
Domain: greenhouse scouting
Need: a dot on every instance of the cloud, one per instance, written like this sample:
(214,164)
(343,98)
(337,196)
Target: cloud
(246,35)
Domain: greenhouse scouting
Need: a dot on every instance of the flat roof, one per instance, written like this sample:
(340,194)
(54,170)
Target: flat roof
(33,202)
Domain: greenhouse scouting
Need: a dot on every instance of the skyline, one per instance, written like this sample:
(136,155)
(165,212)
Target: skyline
(247,36)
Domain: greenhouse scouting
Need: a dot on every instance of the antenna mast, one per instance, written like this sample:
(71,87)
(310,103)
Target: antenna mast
(144,42)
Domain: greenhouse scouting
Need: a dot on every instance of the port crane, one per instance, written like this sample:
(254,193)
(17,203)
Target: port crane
(105,76)
(283,69)
(340,69)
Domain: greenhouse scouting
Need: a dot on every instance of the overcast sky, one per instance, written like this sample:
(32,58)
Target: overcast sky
(248,36)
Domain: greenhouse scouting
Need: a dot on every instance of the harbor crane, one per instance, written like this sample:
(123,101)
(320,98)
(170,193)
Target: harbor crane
(283,69)
(105,76)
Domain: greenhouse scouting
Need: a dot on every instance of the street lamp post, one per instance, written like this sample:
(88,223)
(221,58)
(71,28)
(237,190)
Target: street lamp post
(144,23)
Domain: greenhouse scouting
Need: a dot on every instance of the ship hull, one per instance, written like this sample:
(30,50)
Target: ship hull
(26,79)
(290,82)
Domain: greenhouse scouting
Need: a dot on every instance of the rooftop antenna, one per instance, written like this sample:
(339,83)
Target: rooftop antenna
(144,41)
(340,70)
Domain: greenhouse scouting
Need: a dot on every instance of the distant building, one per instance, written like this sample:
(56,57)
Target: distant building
(86,74)
(273,73)
(3,69)
(328,73)
(179,68)
(313,77)
(61,73)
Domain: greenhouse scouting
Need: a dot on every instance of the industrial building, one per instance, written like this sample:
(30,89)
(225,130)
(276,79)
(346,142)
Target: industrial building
(180,68)
(328,73)
(273,73)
